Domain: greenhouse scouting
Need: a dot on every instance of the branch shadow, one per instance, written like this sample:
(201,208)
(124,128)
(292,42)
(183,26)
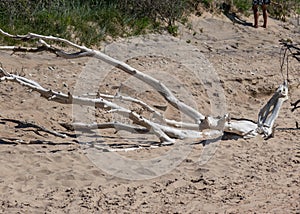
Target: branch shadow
(233,17)
(23,125)
(289,129)
(295,105)
(16,141)
(9,141)
(94,138)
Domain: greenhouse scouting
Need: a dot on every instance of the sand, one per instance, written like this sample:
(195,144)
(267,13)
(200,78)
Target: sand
(42,173)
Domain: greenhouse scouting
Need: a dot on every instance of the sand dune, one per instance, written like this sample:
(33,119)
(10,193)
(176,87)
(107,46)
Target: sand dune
(41,173)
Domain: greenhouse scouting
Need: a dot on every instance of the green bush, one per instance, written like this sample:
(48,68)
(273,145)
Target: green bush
(281,9)
(90,21)
(242,5)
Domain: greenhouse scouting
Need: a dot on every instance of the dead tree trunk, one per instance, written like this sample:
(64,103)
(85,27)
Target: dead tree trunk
(204,127)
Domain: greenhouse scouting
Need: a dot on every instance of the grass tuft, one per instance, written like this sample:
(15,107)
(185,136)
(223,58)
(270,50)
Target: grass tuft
(89,22)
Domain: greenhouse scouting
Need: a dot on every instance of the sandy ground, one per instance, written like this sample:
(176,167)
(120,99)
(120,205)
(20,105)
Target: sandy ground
(41,173)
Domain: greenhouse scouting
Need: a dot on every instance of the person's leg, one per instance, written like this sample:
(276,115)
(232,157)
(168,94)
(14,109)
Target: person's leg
(255,13)
(265,15)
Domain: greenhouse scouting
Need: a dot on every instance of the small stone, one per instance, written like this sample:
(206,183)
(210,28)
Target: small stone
(51,68)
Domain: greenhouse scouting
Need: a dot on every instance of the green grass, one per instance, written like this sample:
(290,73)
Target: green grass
(89,21)
(242,5)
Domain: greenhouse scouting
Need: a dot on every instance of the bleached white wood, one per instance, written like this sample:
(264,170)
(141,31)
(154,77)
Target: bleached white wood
(163,132)
(269,113)
(244,128)
(87,52)
(204,127)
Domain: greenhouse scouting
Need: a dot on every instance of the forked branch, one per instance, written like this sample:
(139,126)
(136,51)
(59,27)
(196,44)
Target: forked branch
(87,52)
(202,128)
(269,113)
(163,132)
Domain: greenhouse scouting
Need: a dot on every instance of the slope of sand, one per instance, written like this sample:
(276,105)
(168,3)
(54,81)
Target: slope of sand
(41,173)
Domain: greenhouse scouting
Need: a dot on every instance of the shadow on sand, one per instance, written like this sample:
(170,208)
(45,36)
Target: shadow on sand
(233,17)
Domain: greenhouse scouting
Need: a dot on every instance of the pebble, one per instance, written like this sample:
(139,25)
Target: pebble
(51,68)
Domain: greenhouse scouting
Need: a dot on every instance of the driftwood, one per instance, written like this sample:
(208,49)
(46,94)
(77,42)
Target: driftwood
(295,106)
(204,127)
(165,133)
(290,49)
(294,49)
(268,114)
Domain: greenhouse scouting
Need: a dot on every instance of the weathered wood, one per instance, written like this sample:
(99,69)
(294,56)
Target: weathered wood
(87,52)
(269,113)
(204,127)
(163,132)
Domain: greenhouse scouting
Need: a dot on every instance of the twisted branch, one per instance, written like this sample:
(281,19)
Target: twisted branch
(203,128)
(86,52)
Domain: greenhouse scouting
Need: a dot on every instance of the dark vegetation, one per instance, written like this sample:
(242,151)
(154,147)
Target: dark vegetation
(91,21)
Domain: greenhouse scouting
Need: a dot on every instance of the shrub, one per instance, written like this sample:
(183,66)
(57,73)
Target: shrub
(90,20)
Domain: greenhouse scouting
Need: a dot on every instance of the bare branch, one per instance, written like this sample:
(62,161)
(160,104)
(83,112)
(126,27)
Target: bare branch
(174,123)
(70,99)
(243,127)
(165,133)
(269,113)
(24,49)
(114,125)
(31,36)
(294,49)
(84,51)
(203,128)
